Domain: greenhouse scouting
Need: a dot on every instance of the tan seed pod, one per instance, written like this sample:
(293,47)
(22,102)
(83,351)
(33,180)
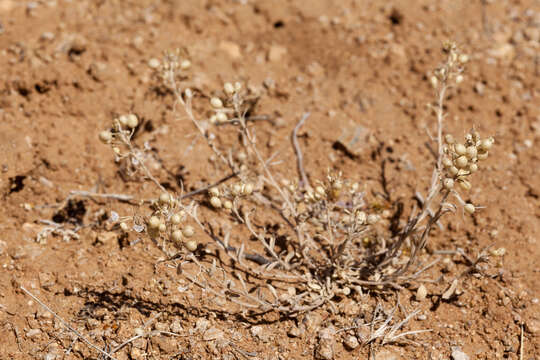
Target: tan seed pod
(132,121)
(188,231)
(461,162)
(460,149)
(215,202)
(469,208)
(228,88)
(247,189)
(372,219)
(165,198)
(449,139)
(221,117)
(472,151)
(124,227)
(123,120)
(473,168)
(154,222)
(421,293)
(191,245)
(213,191)
(482,155)
(162,227)
(216,103)
(447,162)
(176,219)
(105,136)
(453,170)
(448,183)
(464,184)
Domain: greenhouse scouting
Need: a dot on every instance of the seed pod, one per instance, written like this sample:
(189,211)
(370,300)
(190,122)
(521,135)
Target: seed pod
(448,183)
(472,151)
(213,191)
(465,185)
(176,236)
(486,144)
(447,162)
(421,293)
(215,202)
(123,120)
(188,231)
(469,208)
(221,117)
(164,198)
(105,136)
(162,227)
(482,155)
(449,139)
(236,189)
(227,204)
(191,245)
(188,93)
(461,162)
(176,219)
(228,88)
(154,222)
(132,121)
(460,149)
(247,189)
(124,227)
(216,103)
(473,168)
(453,170)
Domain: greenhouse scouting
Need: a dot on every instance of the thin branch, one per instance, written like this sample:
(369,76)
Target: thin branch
(299,157)
(66,324)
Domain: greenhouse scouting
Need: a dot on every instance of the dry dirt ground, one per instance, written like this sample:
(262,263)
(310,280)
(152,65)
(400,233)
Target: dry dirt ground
(69,67)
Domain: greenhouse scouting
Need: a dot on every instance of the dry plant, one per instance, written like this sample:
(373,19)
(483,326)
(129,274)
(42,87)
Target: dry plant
(330,241)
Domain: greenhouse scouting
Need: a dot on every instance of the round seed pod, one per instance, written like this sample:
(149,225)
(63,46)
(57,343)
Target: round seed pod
(227,204)
(213,191)
(472,151)
(124,227)
(486,144)
(105,137)
(247,189)
(236,189)
(228,88)
(482,155)
(176,236)
(132,121)
(449,139)
(447,162)
(215,202)
(191,245)
(221,117)
(162,227)
(164,198)
(473,168)
(461,162)
(464,184)
(460,149)
(469,208)
(154,222)
(448,183)
(453,170)
(188,231)
(216,103)
(123,120)
(176,219)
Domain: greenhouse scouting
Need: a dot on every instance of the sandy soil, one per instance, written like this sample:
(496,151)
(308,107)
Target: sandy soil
(69,67)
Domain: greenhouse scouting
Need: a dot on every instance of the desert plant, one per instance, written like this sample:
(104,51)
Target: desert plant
(331,240)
